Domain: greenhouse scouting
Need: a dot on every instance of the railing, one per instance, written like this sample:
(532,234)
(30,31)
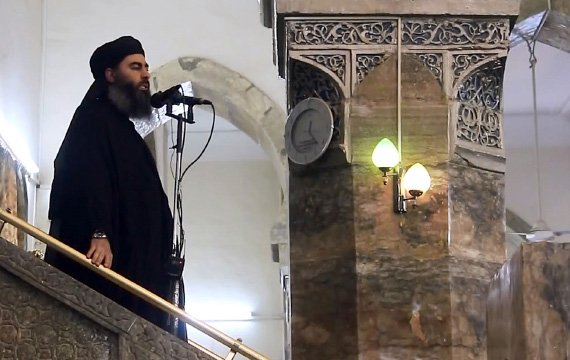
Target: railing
(235,345)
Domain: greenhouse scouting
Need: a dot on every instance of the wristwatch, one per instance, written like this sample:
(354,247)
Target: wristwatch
(98,234)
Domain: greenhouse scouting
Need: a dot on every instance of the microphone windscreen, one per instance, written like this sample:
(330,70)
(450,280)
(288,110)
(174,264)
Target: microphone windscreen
(160,98)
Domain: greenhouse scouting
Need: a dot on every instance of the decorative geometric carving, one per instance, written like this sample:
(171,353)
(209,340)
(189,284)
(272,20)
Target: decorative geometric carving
(479,118)
(82,305)
(434,62)
(478,125)
(462,62)
(35,326)
(365,63)
(341,32)
(152,342)
(459,32)
(335,63)
(307,81)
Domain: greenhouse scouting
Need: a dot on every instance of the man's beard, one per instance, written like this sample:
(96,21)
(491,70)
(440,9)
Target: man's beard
(129,99)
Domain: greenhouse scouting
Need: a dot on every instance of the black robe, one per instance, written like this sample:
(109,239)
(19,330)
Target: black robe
(106,179)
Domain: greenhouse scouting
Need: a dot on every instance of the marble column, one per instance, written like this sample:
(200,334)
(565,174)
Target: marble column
(323,272)
(368,283)
(528,307)
(422,275)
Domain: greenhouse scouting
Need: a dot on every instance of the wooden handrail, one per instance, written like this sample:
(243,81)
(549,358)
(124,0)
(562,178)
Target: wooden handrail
(133,288)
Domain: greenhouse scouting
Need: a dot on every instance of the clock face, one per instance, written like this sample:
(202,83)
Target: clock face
(308,131)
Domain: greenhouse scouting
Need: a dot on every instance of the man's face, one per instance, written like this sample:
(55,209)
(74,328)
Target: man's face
(134,70)
(129,86)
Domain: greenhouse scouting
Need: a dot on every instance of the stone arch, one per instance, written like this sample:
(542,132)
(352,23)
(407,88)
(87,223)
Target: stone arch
(472,69)
(333,65)
(236,99)
(247,107)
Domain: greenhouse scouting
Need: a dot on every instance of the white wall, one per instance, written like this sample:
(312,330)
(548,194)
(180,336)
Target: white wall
(20,74)
(521,177)
(231,197)
(20,84)
(229,209)
(226,31)
(231,201)
(521,189)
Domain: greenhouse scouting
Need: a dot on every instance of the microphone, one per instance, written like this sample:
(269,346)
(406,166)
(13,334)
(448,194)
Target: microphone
(160,98)
(173,96)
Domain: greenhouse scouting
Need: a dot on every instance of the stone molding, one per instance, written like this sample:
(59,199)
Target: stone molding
(103,318)
(462,54)
(403,7)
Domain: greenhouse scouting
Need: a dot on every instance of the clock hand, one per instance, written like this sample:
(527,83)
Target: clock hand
(310,133)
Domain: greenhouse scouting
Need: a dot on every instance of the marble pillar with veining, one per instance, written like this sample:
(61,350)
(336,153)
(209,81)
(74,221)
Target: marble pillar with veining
(368,283)
(422,275)
(528,307)
(323,272)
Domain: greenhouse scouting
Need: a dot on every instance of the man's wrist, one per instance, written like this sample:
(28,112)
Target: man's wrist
(98,234)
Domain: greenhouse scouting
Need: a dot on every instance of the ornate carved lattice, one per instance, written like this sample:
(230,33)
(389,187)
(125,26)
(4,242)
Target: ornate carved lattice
(479,119)
(434,62)
(307,81)
(341,33)
(335,63)
(459,32)
(34,326)
(462,62)
(365,63)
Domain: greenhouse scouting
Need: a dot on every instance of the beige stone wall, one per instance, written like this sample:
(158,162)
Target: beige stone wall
(394,7)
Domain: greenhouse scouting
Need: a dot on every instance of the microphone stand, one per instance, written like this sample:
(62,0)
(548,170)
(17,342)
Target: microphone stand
(175,264)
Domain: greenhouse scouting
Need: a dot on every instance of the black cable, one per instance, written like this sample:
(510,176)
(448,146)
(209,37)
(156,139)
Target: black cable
(205,146)
(181,238)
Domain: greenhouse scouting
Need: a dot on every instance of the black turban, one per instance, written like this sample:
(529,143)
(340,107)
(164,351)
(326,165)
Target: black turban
(112,53)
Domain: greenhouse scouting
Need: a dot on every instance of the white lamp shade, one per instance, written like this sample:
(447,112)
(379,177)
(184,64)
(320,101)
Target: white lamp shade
(416,178)
(385,154)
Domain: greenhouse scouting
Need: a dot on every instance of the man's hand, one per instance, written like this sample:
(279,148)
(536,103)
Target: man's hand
(100,252)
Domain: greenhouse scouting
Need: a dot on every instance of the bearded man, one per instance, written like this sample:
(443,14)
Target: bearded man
(107,200)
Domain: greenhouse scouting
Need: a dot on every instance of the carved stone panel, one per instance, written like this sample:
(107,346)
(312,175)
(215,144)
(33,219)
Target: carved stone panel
(479,96)
(336,63)
(303,32)
(35,326)
(307,81)
(434,63)
(463,62)
(46,314)
(146,341)
(365,63)
(440,32)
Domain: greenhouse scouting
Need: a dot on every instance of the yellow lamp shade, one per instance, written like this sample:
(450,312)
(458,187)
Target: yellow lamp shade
(385,154)
(416,179)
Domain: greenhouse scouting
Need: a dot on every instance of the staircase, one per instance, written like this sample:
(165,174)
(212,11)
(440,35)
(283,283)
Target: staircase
(46,314)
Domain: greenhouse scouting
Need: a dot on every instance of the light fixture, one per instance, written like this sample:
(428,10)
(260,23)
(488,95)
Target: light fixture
(385,157)
(415,181)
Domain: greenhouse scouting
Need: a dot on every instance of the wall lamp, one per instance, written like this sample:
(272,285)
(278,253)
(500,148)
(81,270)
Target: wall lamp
(386,157)
(415,181)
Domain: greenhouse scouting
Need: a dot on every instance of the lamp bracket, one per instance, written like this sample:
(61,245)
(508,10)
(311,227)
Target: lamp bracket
(398,199)
(398,194)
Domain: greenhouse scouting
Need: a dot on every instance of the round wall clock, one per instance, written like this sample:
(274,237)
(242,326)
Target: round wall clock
(308,131)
